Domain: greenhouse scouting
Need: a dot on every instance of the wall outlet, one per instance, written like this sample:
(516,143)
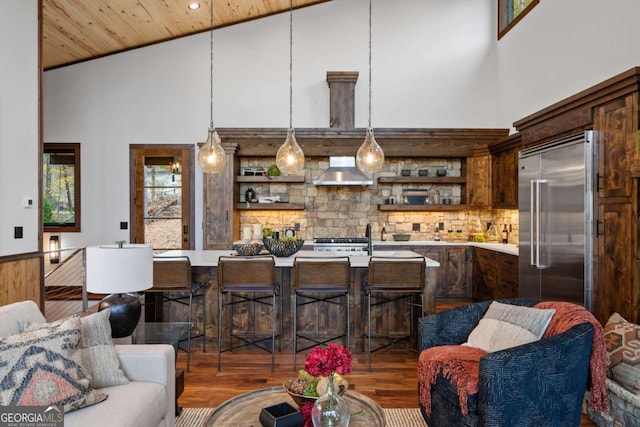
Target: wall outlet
(17,232)
(416,226)
(124,225)
(27,202)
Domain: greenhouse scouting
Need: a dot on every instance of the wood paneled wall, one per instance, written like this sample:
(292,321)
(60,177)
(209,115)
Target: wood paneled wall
(21,279)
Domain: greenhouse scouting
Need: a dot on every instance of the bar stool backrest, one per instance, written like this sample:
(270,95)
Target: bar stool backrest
(321,273)
(396,274)
(171,274)
(250,273)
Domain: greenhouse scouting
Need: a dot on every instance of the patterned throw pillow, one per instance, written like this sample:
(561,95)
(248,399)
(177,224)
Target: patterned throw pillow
(622,339)
(506,325)
(99,356)
(44,368)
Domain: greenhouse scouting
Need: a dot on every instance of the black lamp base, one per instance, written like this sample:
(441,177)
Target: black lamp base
(125,313)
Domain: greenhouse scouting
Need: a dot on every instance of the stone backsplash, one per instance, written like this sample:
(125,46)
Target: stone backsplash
(345,211)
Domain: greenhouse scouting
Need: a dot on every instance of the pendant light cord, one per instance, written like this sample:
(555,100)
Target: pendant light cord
(290,64)
(211,70)
(370,64)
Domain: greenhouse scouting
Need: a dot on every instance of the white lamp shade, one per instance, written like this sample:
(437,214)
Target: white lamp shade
(112,269)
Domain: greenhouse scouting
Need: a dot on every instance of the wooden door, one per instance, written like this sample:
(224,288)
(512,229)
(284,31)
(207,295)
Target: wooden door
(162,196)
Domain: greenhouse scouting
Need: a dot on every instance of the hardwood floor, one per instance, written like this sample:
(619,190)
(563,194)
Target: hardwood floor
(392,383)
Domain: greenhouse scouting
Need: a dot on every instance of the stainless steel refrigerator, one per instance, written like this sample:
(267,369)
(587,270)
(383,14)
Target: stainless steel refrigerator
(555,193)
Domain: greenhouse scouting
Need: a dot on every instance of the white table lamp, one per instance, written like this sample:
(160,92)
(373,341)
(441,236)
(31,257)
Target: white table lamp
(120,270)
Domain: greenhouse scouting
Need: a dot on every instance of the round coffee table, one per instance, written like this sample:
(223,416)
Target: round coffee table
(244,410)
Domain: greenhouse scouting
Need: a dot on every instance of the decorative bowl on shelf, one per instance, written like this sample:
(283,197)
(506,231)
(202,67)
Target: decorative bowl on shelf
(301,399)
(282,248)
(248,248)
(401,237)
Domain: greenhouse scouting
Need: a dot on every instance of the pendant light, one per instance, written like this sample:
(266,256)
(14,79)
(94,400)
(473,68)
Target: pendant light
(370,157)
(290,158)
(211,156)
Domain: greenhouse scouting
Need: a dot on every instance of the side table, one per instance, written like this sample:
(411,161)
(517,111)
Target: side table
(165,333)
(244,410)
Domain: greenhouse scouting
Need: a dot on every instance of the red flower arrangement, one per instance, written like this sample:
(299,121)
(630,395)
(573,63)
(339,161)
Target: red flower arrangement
(323,362)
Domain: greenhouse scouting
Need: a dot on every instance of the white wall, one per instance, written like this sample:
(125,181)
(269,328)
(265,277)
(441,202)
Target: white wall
(18,124)
(561,48)
(433,66)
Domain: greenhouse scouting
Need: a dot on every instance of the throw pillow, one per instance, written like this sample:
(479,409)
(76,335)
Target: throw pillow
(506,325)
(44,368)
(99,355)
(622,340)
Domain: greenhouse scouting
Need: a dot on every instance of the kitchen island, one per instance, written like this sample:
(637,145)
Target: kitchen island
(321,318)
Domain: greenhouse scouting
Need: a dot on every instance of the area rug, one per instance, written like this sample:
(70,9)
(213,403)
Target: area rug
(195,417)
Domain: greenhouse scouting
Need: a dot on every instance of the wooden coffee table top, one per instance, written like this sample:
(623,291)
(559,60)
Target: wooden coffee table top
(244,410)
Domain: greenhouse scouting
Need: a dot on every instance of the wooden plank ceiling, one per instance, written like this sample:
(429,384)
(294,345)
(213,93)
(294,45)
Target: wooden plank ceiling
(79,30)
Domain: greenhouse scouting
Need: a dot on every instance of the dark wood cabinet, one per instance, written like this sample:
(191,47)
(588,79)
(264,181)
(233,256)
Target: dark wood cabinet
(479,181)
(455,280)
(504,173)
(611,109)
(453,276)
(495,275)
(220,219)
(616,247)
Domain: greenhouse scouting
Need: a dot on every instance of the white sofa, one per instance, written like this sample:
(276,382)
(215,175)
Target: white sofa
(147,400)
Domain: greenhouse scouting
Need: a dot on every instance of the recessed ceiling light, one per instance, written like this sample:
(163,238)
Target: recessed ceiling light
(194,6)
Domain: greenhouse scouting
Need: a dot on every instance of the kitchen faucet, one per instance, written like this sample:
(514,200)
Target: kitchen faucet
(367,234)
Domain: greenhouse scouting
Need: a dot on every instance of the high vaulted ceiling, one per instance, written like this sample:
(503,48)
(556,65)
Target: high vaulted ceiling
(78,30)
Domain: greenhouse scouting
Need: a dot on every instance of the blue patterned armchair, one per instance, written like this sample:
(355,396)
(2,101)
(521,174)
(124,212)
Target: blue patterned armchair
(537,384)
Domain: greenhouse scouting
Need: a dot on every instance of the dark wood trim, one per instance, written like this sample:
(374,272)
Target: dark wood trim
(77,186)
(324,142)
(188,151)
(510,25)
(20,257)
(574,113)
(40,154)
(513,141)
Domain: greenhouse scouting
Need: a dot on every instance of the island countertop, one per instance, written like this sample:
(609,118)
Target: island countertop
(209,258)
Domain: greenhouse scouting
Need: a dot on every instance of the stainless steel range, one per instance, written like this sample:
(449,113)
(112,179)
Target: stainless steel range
(346,245)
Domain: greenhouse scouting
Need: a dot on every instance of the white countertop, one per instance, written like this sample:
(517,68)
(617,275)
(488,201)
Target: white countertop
(508,248)
(209,258)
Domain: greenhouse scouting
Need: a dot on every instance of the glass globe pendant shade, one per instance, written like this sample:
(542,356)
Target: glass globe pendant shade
(211,156)
(370,157)
(290,158)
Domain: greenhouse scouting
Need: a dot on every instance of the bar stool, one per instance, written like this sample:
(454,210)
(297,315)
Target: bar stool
(172,279)
(403,277)
(250,279)
(317,280)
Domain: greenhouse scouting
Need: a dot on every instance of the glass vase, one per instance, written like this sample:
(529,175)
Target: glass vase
(330,409)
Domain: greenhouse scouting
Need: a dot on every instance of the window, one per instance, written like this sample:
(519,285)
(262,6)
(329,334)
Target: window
(510,12)
(61,187)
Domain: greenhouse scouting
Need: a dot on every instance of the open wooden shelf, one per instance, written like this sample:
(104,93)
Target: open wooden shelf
(421,208)
(263,178)
(422,180)
(270,207)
